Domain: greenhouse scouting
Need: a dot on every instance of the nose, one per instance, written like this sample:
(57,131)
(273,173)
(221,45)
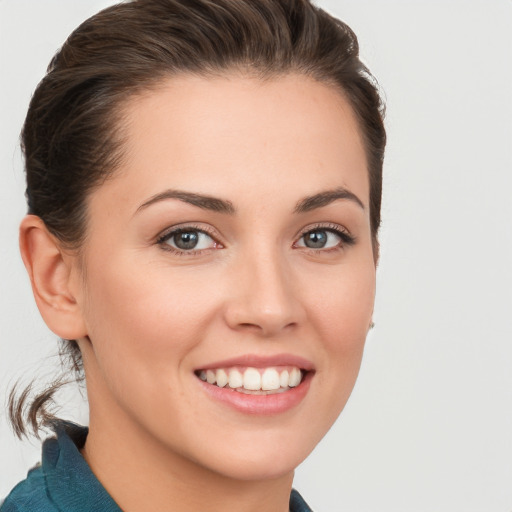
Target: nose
(263,297)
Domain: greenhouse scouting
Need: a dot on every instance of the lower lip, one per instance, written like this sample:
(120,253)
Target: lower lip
(260,404)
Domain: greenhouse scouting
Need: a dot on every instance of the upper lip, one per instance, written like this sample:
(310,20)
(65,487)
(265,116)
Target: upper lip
(259,361)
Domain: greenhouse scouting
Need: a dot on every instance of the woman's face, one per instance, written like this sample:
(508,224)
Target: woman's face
(233,245)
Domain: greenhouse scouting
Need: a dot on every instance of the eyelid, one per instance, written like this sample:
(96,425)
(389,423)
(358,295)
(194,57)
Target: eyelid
(328,226)
(186,226)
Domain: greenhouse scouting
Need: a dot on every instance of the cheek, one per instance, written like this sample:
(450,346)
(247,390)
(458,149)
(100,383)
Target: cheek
(142,324)
(345,308)
(146,312)
(342,317)
(127,320)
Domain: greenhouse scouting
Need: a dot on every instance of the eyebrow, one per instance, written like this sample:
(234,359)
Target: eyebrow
(325,198)
(223,206)
(202,201)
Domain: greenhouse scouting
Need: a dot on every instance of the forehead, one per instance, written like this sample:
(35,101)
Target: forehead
(289,135)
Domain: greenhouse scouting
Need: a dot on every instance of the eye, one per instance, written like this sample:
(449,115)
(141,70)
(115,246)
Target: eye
(325,238)
(187,239)
(319,239)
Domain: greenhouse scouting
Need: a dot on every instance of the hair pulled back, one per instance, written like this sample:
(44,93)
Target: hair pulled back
(72,138)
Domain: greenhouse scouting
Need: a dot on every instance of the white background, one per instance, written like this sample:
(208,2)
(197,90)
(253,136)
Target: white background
(429,425)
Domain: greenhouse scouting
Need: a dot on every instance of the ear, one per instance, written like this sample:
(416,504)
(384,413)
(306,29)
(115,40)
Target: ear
(53,275)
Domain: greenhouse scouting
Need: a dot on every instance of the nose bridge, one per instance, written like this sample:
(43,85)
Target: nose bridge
(264,297)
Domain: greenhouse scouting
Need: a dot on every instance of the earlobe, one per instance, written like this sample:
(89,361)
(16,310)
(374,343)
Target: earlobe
(51,270)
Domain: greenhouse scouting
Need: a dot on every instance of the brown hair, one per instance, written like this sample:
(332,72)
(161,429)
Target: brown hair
(72,136)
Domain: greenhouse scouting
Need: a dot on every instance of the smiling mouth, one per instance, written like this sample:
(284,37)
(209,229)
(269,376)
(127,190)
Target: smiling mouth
(254,381)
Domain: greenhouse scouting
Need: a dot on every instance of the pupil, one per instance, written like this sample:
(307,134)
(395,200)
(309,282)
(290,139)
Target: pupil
(186,240)
(316,239)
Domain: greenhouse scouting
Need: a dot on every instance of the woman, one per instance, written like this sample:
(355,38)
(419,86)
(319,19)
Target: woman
(203,183)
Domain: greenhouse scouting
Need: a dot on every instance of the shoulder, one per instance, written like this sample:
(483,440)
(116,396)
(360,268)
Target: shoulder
(30,495)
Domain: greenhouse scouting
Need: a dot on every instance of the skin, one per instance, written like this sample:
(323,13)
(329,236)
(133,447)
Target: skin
(146,317)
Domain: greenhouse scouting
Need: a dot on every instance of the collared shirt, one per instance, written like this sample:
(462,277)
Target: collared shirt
(64,482)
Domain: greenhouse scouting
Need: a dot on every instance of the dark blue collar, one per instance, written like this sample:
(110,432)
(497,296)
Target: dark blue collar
(297,503)
(71,485)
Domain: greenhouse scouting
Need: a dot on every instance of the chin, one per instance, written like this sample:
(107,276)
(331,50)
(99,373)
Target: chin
(260,457)
(268,466)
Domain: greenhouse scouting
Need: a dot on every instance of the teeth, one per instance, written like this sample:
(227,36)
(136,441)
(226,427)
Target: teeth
(261,392)
(221,378)
(236,380)
(295,377)
(284,379)
(270,380)
(253,380)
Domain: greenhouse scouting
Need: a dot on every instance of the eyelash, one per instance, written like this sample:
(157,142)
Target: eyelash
(346,239)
